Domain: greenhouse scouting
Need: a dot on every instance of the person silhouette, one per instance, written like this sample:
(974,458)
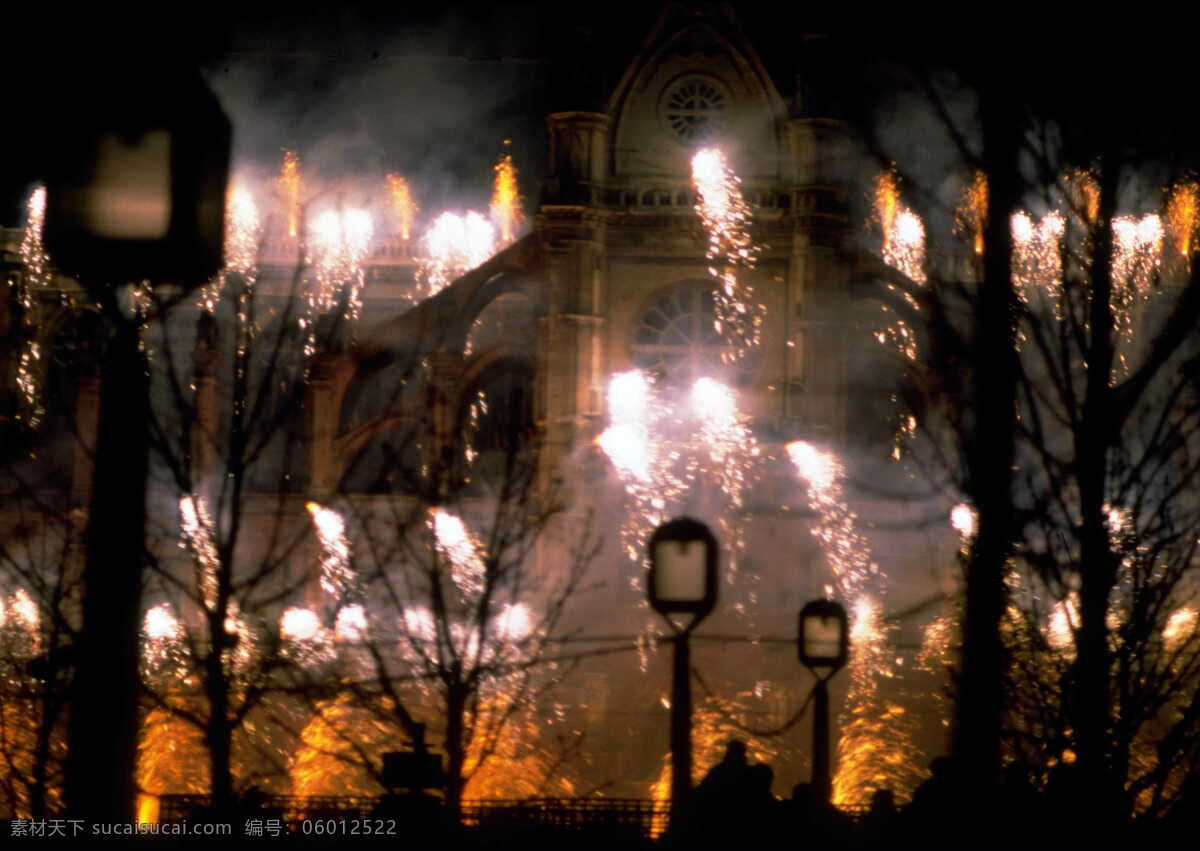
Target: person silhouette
(717,801)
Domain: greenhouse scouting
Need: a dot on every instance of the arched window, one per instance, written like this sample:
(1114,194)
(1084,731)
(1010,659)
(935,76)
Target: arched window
(677,336)
(695,109)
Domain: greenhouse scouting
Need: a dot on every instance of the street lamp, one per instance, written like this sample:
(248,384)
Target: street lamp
(682,580)
(824,644)
(135,191)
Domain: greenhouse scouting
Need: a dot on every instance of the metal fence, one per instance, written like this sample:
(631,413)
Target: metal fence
(630,817)
(291,808)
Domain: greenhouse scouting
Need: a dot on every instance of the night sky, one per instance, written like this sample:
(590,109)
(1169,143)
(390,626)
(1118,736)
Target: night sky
(433,90)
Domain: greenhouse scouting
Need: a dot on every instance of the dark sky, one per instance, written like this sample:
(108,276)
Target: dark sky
(358,89)
(432,90)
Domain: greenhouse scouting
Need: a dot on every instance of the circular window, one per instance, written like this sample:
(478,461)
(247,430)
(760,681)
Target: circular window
(677,338)
(695,109)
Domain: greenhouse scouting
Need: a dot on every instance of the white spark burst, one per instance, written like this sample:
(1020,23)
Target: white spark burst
(336,572)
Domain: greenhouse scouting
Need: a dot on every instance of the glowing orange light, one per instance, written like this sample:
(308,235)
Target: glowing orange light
(289,187)
(506,199)
(404,206)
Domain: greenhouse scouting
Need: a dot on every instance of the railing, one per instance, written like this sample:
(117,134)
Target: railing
(176,808)
(616,817)
(635,817)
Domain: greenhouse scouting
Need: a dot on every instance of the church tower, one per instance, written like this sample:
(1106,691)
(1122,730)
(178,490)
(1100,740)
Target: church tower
(626,278)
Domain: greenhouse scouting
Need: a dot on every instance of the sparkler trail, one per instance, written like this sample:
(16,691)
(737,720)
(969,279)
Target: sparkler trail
(876,748)
(199,539)
(337,575)
(726,218)
(459,548)
(35,265)
(506,200)
(404,206)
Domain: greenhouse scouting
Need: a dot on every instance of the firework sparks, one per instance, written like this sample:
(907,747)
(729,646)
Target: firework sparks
(453,245)
(162,634)
(1137,256)
(35,265)
(308,642)
(458,547)
(199,539)
(970,218)
(1183,216)
(506,199)
(1060,627)
(336,573)
(1037,255)
(903,248)
(876,748)
(662,452)
(289,188)
(1180,627)
(351,624)
(23,612)
(903,230)
(404,206)
(340,241)
(846,551)
(726,218)
(241,247)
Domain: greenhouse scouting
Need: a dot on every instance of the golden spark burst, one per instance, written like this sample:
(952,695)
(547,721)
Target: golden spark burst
(289,187)
(732,251)
(506,199)
(1183,216)
(1083,197)
(876,748)
(404,205)
(903,248)
(970,217)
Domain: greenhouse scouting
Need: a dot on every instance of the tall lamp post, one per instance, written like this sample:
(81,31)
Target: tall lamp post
(682,581)
(136,193)
(824,645)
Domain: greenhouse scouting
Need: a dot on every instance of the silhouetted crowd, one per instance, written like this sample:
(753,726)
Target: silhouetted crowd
(733,807)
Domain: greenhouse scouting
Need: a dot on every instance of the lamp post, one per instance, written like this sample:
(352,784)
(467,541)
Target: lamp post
(682,580)
(824,644)
(135,192)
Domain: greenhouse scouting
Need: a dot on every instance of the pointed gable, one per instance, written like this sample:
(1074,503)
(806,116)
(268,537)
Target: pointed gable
(696,81)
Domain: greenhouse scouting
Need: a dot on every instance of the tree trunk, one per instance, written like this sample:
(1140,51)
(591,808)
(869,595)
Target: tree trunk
(218,738)
(456,757)
(990,450)
(1092,704)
